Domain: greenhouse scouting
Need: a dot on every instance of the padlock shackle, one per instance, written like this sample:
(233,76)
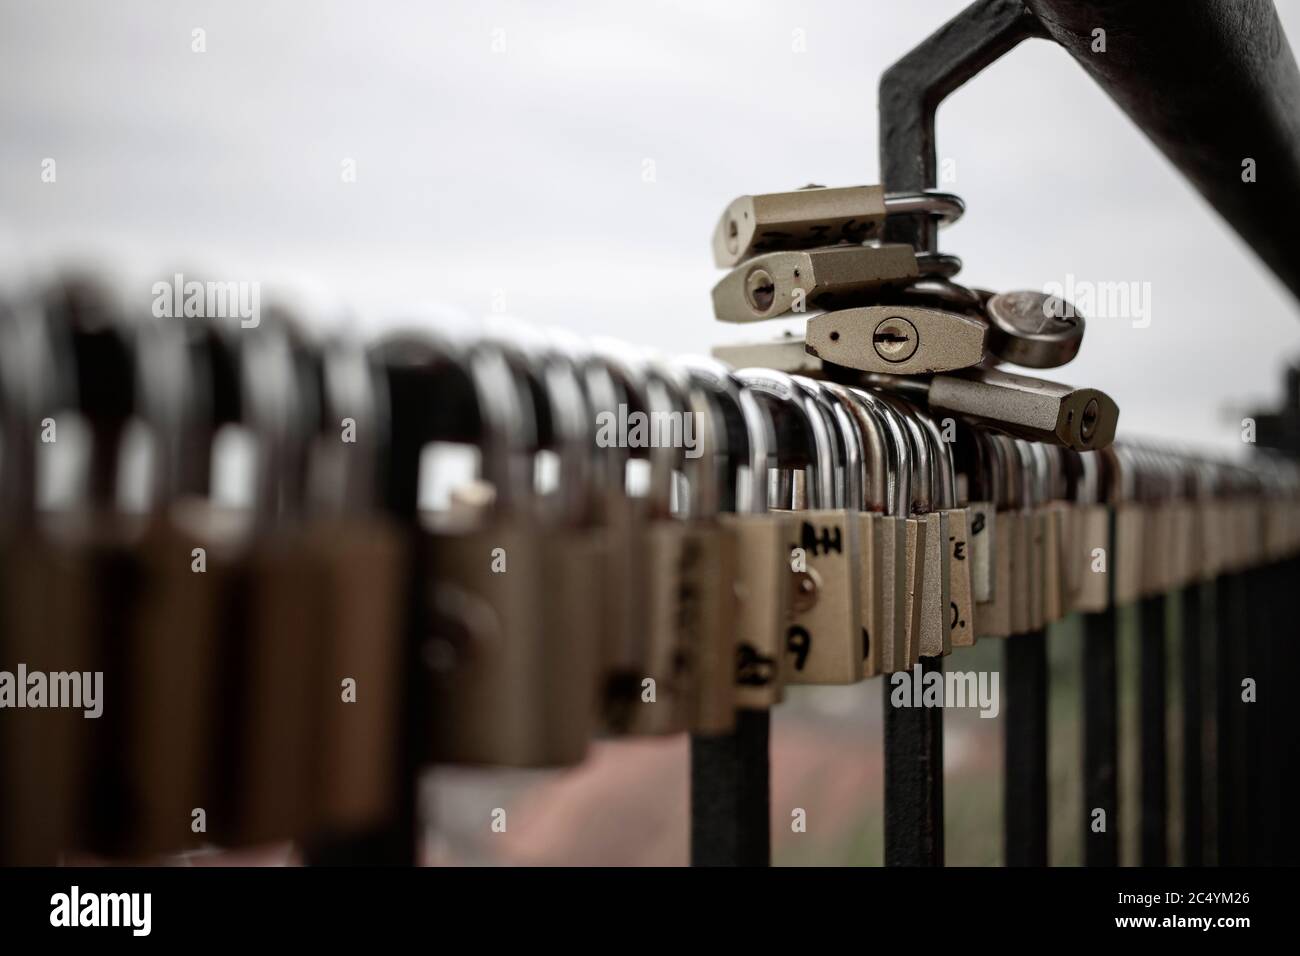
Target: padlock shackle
(975,457)
(873,473)
(945,472)
(654,395)
(754,449)
(128,370)
(794,408)
(923,466)
(344,463)
(841,487)
(255,383)
(718,399)
(555,416)
(35,382)
(441,391)
(898,473)
(1011,490)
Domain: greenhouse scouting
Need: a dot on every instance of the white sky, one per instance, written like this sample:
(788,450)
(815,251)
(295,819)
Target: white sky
(518,174)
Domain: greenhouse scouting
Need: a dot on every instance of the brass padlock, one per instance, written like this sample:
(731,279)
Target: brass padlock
(1057,531)
(760,565)
(935,633)
(984,468)
(817,216)
(480,586)
(913,531)
(361,565)
(568,499)
(784,353)
(703,605)
(978,480)
(824,641)
(1130,523)
(624,595)
(896,339)
(779,283)
(1016,528)
(46,597)
(883,505)
(960,606)
(1028,408)
(670,545)
(274,644)
(1093,548)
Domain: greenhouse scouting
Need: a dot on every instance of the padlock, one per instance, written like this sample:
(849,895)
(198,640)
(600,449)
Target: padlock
(896,339)
(925,611)
(936,598)
(785,353)
(46,591)
(824,640)
(1130,524)
(272,643)
(1057,530)
(185,566)
(1172,576)
(986,467)
(882,528)
(1185,558)
(1028,408)
(662,682)
(889,578)
(1204,530)
(706,600)
(779,283)
(891,562)
(1155,527)
(480,585)
(904,535)
(1015,536)
(978,482)
(121,566)
(360,561)
(620,593)
(691,618)
(1093,550)
(759,590)
(1033,329)
(567,504)
(817,216)
(960,606)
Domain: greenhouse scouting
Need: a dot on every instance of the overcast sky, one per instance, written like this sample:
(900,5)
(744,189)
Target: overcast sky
(501,152)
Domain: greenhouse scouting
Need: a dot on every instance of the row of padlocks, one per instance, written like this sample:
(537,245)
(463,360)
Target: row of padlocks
(646,546)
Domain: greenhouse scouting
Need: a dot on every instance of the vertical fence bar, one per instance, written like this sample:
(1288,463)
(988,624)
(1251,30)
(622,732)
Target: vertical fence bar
(914,780)
(910,93)
(1193,597)
(1100,739)
(1230,769)
(1259,754)
(1288,580)
(731,794)
(1024,718)
(1152,735)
